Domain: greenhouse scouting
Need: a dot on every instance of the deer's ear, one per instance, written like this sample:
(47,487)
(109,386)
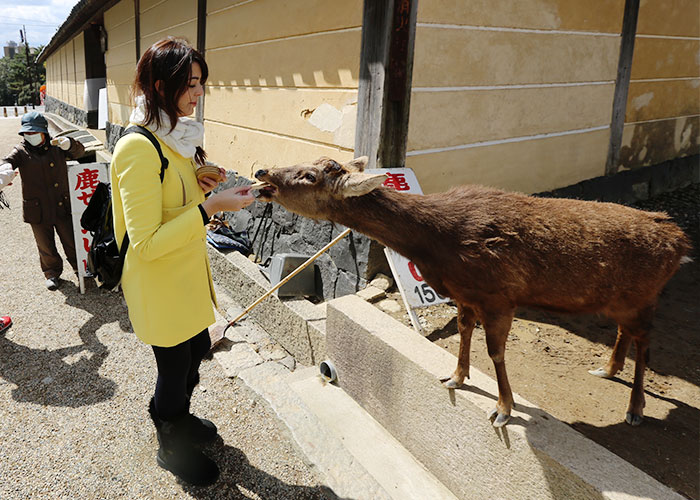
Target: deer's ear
(357,165)
(358,184)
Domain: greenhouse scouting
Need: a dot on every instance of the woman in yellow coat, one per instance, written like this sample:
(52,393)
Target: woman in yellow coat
(166,277)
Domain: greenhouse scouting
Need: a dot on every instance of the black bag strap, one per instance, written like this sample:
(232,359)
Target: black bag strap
(138,129)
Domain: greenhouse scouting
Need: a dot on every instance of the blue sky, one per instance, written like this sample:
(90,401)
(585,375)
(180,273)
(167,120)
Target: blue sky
(40,17)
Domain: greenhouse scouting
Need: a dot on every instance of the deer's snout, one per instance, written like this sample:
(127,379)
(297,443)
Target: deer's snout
(260,173)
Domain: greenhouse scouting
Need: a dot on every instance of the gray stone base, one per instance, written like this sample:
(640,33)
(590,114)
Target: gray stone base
(71,113)
(112,134)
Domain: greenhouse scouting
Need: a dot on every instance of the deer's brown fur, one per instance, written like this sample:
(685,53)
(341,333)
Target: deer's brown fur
(492,251)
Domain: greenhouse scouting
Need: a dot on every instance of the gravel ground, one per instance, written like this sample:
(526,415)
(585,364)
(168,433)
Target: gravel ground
(74,387)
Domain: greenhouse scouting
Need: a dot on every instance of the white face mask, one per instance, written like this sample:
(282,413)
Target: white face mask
(34,139)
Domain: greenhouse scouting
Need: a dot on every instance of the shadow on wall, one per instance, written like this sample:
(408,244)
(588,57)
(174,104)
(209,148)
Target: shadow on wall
(630,443)
(314,79)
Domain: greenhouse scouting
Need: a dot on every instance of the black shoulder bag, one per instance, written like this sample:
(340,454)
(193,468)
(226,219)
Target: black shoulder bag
(105,258)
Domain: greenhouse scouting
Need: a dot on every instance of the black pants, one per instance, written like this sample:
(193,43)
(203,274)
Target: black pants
(178,373)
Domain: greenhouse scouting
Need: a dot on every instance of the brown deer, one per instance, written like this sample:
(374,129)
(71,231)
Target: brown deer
(492,251)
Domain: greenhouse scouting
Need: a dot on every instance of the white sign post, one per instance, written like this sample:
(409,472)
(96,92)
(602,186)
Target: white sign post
(414,290)
(82,181)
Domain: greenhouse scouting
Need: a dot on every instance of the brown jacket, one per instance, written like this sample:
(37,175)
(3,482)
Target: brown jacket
(45,190)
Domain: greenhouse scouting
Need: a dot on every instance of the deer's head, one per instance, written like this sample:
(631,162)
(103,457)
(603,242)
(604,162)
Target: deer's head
(309,189)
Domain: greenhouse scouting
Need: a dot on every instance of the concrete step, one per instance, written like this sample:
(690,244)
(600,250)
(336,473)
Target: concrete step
(355,456)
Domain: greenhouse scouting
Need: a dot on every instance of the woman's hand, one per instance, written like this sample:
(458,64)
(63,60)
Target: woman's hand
(228,200)
(208,184)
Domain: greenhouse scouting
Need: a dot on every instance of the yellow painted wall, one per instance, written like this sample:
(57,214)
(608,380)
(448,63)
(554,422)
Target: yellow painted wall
(161,18)
(120,59)
(50,65)
(283,80)
(65,73)
(158,19)
(513,94)
(79,62)
(662,118)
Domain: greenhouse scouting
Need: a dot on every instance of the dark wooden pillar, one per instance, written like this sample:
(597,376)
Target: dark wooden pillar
(386,69)
(137,28)
(95,69)
(622,84)
(201,46)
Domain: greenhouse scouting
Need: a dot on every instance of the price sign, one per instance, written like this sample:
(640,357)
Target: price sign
(414,290)
(82,180)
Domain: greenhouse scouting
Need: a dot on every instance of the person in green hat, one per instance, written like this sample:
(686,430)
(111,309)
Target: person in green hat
(41,164)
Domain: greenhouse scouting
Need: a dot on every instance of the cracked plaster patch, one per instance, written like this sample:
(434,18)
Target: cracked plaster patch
(341,123)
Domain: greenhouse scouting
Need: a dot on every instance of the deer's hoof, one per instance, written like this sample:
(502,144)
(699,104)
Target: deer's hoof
(499,419)
(451,383)
(633,420)
(600,372)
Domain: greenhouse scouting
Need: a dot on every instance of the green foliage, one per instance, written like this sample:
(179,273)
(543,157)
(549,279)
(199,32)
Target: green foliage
(20,82)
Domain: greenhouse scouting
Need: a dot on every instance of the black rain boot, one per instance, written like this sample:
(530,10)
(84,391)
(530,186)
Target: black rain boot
(178,454)
(203,431)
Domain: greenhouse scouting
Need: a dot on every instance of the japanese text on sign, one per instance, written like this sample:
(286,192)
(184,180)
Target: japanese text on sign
(84,178)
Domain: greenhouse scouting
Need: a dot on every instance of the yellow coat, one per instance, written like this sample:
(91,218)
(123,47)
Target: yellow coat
(166,278)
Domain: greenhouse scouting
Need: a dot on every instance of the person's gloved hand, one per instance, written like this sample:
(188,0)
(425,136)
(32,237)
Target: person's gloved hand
(62,142)
(7,174)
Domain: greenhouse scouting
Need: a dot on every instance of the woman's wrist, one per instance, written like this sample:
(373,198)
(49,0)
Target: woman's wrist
(210,206)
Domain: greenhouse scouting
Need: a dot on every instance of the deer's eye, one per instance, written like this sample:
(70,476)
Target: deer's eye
(310,177)
(332,167)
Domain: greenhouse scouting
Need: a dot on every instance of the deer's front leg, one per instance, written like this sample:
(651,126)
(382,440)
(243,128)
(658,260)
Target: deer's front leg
(466,319)
(497,326)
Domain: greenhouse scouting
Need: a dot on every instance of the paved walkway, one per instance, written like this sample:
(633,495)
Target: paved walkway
(75,383)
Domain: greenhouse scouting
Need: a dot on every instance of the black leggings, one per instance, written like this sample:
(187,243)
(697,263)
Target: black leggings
(178,373)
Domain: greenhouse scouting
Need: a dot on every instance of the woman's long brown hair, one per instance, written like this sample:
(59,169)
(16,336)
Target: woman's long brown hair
(168,61)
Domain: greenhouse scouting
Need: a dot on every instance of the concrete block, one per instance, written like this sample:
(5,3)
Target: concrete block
(299,334)
(394,468)
(382,281)
(235,357)
(371,293)
(282,265)
(393,373)
(389,305)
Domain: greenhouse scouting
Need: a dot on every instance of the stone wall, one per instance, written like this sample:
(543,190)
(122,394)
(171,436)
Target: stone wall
(67,111)
(112,134)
